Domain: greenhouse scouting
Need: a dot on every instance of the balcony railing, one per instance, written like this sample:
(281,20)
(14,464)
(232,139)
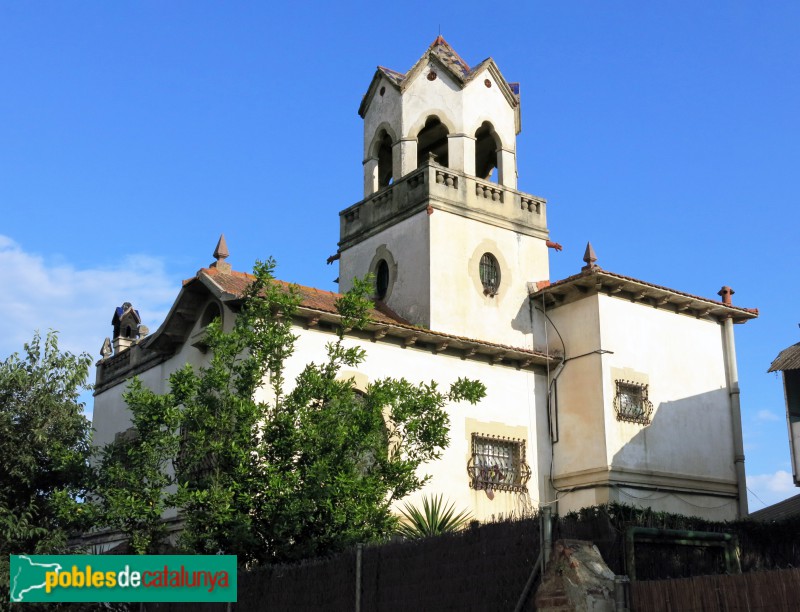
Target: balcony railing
(441,187)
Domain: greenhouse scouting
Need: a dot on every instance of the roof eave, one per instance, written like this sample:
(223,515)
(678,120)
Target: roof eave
(787,359)
(438,342)
(599,281)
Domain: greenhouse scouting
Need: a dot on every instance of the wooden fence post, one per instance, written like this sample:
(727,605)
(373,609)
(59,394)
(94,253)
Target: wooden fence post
(359,549)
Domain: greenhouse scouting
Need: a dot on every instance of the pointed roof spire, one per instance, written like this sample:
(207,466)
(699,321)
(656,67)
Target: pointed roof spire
(590,257)
(105,350)
(220,254)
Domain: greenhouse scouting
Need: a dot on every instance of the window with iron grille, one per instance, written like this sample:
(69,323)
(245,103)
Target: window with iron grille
(631,402)
(498,464)
(490,274)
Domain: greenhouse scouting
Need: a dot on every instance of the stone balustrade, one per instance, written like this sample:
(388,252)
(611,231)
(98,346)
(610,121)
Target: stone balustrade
(433,187)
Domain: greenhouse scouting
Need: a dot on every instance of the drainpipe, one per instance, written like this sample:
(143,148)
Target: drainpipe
(729,348)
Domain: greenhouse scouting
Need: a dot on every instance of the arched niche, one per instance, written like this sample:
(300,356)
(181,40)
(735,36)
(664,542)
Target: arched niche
(432,138)
(487,151)
(382,150)
(211,312)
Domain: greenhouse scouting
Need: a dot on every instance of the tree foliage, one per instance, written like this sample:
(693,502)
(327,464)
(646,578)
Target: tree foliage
(135,471)
(219,468)
(272,471)
(44,445)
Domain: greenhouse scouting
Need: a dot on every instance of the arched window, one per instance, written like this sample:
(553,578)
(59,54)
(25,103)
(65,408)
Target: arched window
(490,274)
(432,139)
(381,279)
(385,176)
(210,313)
(487,148)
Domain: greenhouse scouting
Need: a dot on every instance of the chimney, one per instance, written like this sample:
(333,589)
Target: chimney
(126,322)
(725,293)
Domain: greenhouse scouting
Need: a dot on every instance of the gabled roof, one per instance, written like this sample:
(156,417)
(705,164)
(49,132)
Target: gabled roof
(788,508)
(596,280)
(121,311)
(234,284)
(318,308)
(788,359)
(448,56)
(395,78)
(440,51)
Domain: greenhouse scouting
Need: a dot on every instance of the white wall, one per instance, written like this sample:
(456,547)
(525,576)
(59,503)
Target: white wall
(461,110)
(685,452)
(409,243)
(458,304)
(682,358)
(509,408)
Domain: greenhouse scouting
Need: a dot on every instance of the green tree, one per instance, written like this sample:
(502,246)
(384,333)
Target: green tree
(135,471)
(45,446)
(219,468)
(272,474)
(336,459)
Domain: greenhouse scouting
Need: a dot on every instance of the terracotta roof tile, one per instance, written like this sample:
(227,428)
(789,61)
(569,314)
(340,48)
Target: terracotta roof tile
(442,51)
(395,77)
(447,55)
(235,283)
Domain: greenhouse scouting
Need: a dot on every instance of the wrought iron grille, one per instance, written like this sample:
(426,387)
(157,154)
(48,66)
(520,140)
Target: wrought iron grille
(490,274)
(498,463)
(631,402)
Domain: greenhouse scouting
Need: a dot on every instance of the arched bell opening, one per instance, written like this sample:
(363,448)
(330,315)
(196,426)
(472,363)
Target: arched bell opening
(432,138)
(487,152)
(384,154)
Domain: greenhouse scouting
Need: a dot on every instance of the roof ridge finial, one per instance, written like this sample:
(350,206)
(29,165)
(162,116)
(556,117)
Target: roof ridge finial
(590,257)
(220,254)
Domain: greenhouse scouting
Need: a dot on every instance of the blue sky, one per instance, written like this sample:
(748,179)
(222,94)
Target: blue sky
(132,134)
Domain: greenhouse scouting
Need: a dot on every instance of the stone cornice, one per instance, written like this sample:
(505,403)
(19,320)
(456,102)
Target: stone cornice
(666,481)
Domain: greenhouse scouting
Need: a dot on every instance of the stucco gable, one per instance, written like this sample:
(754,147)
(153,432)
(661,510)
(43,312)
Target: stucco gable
(383,76)
(445,58)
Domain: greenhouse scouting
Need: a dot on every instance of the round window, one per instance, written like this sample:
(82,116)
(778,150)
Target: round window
(490,274)
(381,279)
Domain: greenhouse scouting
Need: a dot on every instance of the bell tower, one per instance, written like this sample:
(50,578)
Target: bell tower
(450,240)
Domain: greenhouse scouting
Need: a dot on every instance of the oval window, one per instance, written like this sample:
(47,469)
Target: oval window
(490,274)
(381,279)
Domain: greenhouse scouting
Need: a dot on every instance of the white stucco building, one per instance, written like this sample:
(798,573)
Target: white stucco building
(591,395)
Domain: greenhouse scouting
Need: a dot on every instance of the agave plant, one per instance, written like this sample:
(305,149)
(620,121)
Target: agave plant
(435,518)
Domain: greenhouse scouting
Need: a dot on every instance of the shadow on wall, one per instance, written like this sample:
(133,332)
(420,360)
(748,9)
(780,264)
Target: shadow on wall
(522,321)
(691,436)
